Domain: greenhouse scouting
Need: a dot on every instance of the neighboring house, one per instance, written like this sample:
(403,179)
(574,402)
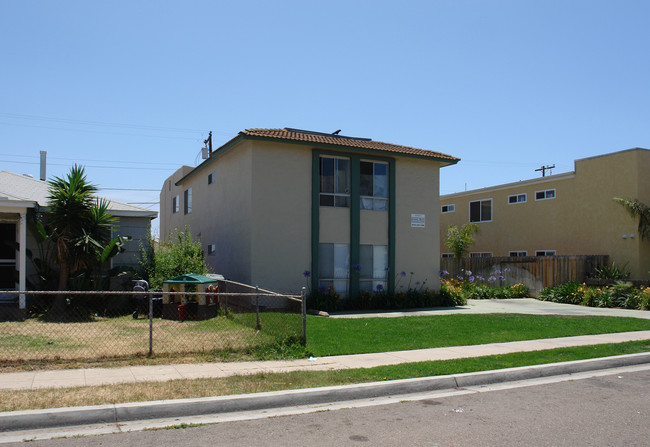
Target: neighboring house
(564,214)
(20,193)
(273,203)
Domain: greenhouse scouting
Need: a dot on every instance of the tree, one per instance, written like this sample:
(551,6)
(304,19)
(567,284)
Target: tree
(178,256)
(640,210)
(460,239)
(79,225)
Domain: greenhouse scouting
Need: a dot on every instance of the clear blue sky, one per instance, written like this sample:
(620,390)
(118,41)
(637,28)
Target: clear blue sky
(130,89)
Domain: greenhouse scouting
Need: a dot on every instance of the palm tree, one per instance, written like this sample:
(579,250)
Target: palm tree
(79,226)
(640,210)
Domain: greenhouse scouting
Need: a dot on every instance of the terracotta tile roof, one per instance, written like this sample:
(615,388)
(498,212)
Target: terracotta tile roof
(289,134)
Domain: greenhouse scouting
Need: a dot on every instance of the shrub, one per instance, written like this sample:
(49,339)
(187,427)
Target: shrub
(613,272)
(621,294)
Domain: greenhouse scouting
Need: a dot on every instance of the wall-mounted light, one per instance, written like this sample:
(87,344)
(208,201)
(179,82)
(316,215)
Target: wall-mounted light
(625,236)
(632,236)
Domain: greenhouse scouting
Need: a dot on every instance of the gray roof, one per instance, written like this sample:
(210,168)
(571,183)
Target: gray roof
(23,188)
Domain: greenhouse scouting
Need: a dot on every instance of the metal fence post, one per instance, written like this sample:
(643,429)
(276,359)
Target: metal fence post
(150,324)
(257,307)
(303,296)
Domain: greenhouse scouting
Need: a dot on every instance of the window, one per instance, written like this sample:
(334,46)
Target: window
(334,266)
(188,201)
(516,254)
(176,204)
(374,186)
(447,255)
(545,195)
(211,177)
(212,248)
(544,252)
(374,267)
(334,182)
(480,211)
(448,208)
(481,254)
(517,198)
(7,255)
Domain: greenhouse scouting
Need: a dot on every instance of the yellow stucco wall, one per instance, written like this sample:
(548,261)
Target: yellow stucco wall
(581,220)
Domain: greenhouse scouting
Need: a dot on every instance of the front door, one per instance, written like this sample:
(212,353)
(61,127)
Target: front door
(8,245)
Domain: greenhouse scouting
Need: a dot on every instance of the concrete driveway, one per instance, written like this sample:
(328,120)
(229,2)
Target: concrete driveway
(515,306)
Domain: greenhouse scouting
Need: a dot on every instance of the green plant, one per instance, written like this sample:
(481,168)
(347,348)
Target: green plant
(178,256)
(613,272)
(460,239)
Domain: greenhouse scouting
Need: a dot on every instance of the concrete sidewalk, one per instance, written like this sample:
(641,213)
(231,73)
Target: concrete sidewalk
(135,374)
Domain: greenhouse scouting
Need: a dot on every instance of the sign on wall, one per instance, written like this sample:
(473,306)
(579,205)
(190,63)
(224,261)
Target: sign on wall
(417,220)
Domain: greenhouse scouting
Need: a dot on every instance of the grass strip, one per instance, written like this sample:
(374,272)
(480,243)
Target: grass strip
(177,389)
(340,336)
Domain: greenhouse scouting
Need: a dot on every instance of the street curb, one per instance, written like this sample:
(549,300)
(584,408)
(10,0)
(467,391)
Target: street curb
(117,413)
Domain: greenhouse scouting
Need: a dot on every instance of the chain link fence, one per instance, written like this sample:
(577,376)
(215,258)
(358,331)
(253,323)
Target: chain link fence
(104,326)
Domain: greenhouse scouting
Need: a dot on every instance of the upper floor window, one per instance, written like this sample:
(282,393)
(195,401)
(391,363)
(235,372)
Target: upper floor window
(374,185)
(211,177)
(334,181)
(188,201)
(544,252)
(544,195)
(517,198)
(176,204)
(480,210)
(212,249)
(448,208)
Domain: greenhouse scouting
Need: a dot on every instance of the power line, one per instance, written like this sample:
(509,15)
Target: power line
(139,168)
(88,159)
(128,189)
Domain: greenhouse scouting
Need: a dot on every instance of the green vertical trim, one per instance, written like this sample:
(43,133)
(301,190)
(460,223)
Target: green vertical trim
(355,223)
(315,218)
(391,225)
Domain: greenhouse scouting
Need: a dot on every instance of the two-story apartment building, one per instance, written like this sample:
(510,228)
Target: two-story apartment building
(565,214)
(271,204)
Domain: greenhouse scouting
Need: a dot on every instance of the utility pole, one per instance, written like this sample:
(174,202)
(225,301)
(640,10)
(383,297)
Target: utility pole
(544,168)
(208,142)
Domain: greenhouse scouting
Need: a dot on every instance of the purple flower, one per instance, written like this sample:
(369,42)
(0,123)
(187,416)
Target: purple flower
(444,273)
(506,269)
(501,278)
(471,279)
(322,289)
(402,274)
(356,267)
(380,287)
(306,273)
(491,279)
(497,272)
(417,283)
(469,272)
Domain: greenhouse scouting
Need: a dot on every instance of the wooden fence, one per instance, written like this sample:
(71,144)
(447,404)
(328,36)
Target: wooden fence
(536,272)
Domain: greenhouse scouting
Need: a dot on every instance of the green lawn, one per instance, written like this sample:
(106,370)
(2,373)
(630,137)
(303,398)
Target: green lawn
(338,336)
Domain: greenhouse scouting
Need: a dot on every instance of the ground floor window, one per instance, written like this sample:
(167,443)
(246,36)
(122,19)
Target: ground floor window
(518,253)
(7,256)
(544,252)
(481,254)
(373,273)
(334,266)
(447,255)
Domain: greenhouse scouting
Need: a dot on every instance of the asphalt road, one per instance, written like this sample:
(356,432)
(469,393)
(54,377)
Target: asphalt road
(602,411)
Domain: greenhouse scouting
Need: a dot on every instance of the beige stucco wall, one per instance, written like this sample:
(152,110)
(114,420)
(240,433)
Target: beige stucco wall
(582,219)
(221,211)
(281,216)
(417,192)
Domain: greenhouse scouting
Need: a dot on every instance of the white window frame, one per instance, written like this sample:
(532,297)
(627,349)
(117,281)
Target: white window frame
(545,253)
(211,177)
(545,192)
(480,254)
(517,198)
(517,253)
(379,203)
(334,194)
(176,204)
(446,255)
(450,208)
(481,208)
(187,202)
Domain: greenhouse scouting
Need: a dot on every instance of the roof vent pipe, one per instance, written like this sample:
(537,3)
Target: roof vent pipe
(43,165)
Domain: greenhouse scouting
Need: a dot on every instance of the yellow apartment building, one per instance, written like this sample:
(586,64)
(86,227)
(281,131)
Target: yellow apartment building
(565,214)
